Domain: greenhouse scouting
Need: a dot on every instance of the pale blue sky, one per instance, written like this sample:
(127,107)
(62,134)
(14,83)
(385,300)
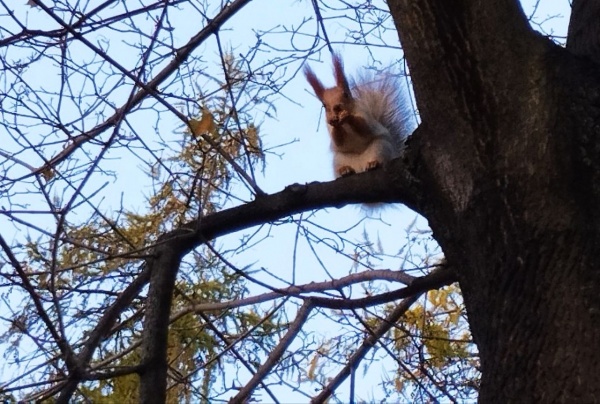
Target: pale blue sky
(306,159)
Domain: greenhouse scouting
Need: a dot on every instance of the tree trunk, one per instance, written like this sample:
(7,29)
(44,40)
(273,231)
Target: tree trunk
(507,153)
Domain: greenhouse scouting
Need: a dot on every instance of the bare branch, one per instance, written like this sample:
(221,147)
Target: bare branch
(368,343)
(275,354)
(298,290)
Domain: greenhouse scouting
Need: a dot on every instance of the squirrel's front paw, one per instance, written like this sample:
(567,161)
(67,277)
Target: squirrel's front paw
(345,171)
(371,165)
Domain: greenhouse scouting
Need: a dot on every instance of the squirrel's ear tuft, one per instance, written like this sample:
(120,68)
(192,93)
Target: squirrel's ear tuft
(338,71)
(314,82)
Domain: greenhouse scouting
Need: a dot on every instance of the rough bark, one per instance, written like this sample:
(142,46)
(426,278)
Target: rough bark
(584,29)
(507,154)
(153,377)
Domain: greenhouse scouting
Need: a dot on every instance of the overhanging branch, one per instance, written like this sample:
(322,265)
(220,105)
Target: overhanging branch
(393,183)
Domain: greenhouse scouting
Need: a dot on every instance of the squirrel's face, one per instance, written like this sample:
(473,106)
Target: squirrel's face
(338,104)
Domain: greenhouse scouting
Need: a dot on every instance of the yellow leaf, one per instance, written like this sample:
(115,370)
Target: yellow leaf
(48,173)
(399,384)
(313,366)
(205,125)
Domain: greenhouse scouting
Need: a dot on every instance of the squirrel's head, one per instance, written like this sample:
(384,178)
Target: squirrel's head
(338,104)
(338,101)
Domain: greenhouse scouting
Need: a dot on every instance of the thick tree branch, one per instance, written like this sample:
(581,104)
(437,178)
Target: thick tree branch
(583,38)
(507,154)
(456,52)
(392,184)
(153,378)
(449,44)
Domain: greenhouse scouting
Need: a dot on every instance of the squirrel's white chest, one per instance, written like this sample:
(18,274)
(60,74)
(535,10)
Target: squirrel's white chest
(362,152)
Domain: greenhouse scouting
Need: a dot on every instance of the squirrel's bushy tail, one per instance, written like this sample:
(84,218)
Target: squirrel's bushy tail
(382,97)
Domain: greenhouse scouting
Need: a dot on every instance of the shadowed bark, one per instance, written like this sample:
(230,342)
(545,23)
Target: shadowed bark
(507,154)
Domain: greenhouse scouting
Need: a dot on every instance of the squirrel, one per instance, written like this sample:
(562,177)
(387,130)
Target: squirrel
(365,120)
